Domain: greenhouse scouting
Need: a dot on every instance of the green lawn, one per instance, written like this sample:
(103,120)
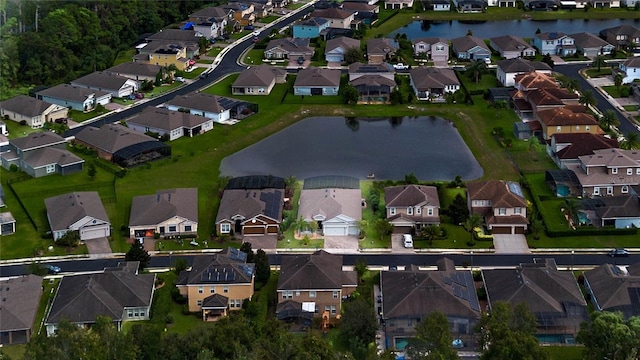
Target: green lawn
(124,56)
(269,19)
(80,116)
(254,57)
(215,51)
(485,81)
(630,107)
(594,73)
(565,352)
(614,91)
(16,130)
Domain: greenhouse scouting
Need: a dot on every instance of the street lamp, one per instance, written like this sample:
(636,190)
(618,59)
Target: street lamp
(170,253)
(572,251)
(471,260)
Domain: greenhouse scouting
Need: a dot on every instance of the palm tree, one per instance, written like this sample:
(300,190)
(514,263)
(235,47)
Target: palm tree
(617,80)
(572,84)
(472,222)
(500,104)
(475,69)
(599,62)
(430,232)
(587,98)
(630,141)
(609,119)
(299,225)
(572,209)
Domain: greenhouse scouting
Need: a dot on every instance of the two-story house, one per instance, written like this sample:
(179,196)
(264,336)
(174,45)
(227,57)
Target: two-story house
(436,49)
(630,70)
(554,43)
(566,148)
(312,284)
(216,284)
(500,203)
(608,172)
(567,120)
(508,69)
(243,13)
(622,37)
(187,38)
(211,21)
(511,47)
(31,110)
(310,28)
(591,45)
(412,206)
(337,18)
(164,54)
(167,213)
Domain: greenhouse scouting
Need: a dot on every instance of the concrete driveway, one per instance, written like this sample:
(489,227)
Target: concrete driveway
(98,247)
(263,242)
(341,242)
(510,244)
(397,246)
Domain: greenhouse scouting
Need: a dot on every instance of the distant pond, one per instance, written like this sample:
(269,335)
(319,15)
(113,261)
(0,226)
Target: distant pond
(429,147)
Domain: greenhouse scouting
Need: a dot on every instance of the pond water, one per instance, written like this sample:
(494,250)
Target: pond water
(523,28)
(429,147)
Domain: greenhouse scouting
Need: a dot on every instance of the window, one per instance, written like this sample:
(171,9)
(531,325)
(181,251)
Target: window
(212,289)
(225,228)
(587,128)
(130,313)
(518,210)
(475,202)
(336,294)
(333,309)
(312,294)
(430,212)
(51,168)
(187,228)
(200,289)
(502,211)
(142,313)
(287,294)
(629,171)
(409,210)
(439,47)
(596,191)
(577,127)
(172,228)
(638,171)
(297,292)
(625,189)
(418,210)
(392,211)
(559,128)
(199,302)
(225,289)
(614,170)
(238,303)
(609,190)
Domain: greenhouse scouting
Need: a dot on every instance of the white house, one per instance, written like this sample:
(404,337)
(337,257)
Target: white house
(167,212)
(31,110)
(201,104)
(118,86)
(78,211)
(337,211)
(630,69)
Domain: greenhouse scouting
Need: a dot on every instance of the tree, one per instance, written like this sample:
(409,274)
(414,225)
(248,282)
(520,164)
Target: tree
(534,148)
(70,342)
(458,211)
(115,344)
(91,171)
(353,55)
(411,178)
(606,335)
(263,268)
(630,141)
(69,239)
(536,227)
(383,227)
(508,332)
(359,320)
(618,78)
(500,105)
(572,209)
(472,222)
(350,94)
(546,58)
(246,248)
(433,339)
(138,253)
(609,119)
(475,69)
(599,62)
(180,265)
(587,98)
(430,232)
(571,84)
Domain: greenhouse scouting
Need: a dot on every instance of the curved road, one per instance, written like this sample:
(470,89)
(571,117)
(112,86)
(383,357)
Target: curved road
(571,70)
(228,64)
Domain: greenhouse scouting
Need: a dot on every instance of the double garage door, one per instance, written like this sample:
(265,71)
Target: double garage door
(507,230)
(339,230)
(94,232)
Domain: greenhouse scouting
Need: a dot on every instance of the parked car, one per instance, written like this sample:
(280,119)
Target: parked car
(52,269)
(618,253)
(400,66)
(179,78)
(255,39)
(139,96)
(407,241)
(140,240)
(249,27)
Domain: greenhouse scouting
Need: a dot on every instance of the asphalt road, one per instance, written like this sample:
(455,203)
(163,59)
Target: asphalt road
(382,260)
(571,70)
(227,65)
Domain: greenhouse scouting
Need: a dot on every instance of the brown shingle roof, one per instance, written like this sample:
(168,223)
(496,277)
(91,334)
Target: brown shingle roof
(588,40)
(317,271)
(535,80)
(291,45)
(519,65)
(66,209)
(341,41)
(466,43)
(330,203)
(249,203)
(318,77)
(164,205)
(510,43)
(111,137)
(425,78)
(411,195)
(25,105)
(262,75)
(495,190)
(332,13)
(582,144)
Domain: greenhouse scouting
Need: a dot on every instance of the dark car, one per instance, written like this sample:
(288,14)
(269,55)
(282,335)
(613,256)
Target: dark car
(618,253)
(52,269)
(249,27)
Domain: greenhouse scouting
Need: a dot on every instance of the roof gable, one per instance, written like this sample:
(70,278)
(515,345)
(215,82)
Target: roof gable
(317,271)
(164,205)
(67,209)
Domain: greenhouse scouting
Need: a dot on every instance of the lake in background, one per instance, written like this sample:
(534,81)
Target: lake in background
(429,147)
(522,28)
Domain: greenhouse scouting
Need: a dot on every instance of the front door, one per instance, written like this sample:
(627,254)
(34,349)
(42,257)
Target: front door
(161,230)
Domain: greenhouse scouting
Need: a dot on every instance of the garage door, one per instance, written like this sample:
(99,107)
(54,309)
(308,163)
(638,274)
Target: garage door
(272,229)
(520,230)
(501,230)
(94,232)
(335,230)
(253,230)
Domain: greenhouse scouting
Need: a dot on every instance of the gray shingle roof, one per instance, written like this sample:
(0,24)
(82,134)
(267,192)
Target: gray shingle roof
(433,78)
(382,46)
(71,93)
(20,300)
(510,43)
(211,12)
(47,156)
(343,42)
(588,40)
(166,119)
(411,195)
(135,68)
(466,43)
(37,140)
(25,105)
(372,80)
(290,45)
(614,290)
(111,137)
(519,65)
(165,204)
(228,267)
(318,77)
(82,298)
(262,75)
(331,203)
(317,271)
(101,79)
(249,203)
(188,36)
(198,101)
(66,209)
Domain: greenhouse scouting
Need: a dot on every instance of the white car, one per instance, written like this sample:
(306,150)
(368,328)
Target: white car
(407,241)
(400,66)
(179,78)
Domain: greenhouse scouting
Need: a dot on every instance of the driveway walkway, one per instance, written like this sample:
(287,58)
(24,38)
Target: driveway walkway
(262,241)
(98,247)
(510,244)
(341,242)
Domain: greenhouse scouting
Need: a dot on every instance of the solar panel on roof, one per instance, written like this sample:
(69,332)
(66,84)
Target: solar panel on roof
(515,188)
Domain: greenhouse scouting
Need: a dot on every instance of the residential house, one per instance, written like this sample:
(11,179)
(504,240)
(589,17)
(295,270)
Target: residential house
(620,212)
(470,6)
(337,211)
(410,207)
(74,97)
(172,124)
(410,295)
(436,49)
(188,39)
(203,105)
(337,18)
(137,71)
(310,28)
(373,89)
(118,293)
(336,48)
(511,47)
(508,69)
(121,145)
(258,80)
(164,54)
(40,154)
(564,120)
(608,172)
(500,203)
(502,3)
(553,296)
(357,70)
(471,48)
(218,283)
(554,43)
(3,129)
(251,205)
(7,225)
(35,113)
(312,284)
(530,103)
(433,83)
(262,9)
(243,13)
(566,148)
(622,37)
(118,86)
(613,288)
(380,50)
(168,213)
(361,8)
(591,45)
(398,4)
(441,5)
(630,69)
(20,302)
(289,48)
(605,4)
(80,211)
(534,80)
(317,81)
(214,18)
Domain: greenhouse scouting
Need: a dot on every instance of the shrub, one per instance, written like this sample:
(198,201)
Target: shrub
(177,297)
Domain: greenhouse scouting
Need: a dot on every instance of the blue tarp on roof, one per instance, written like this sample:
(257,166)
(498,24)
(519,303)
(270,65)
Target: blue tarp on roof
(188,26)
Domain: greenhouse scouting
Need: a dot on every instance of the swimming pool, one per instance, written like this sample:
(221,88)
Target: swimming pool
(583,219)
(556,339)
